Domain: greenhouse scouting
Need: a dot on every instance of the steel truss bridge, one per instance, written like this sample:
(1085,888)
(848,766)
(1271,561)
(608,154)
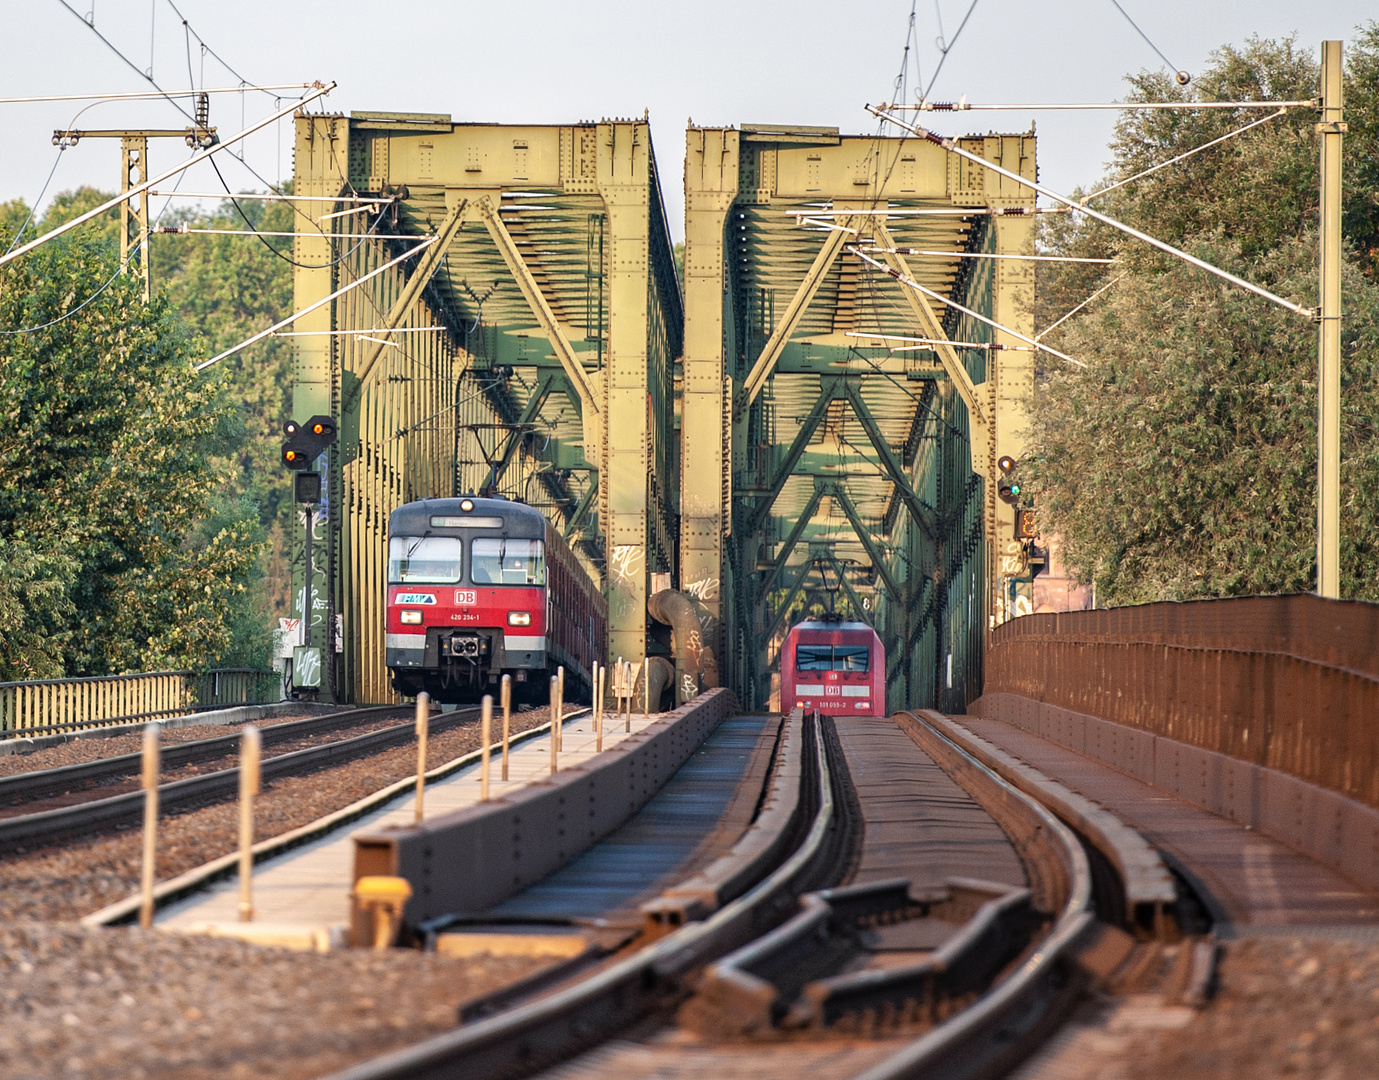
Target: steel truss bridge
(800,419)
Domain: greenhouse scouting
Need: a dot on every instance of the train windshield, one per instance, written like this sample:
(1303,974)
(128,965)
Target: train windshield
(425,560)
(832,658)
(507,562)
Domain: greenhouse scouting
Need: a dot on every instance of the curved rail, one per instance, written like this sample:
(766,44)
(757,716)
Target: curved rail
(27,830)
(1001,1026)
(42,783)
(529,1036)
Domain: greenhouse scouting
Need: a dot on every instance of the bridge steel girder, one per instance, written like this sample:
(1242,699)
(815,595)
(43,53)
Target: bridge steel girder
(532,308)
(869,543)
(531,292)
(808,426)
(923,514)
(799,303)
(706,493)
(529,413)
(784,309)
(801,523)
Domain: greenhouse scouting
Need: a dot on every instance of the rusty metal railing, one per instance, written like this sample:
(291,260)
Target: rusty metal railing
(48,706)
(1287,682)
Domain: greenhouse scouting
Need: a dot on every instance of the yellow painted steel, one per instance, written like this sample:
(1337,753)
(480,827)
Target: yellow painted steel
(794,427)
(552,379)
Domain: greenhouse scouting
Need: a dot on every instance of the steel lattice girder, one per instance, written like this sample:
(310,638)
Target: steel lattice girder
(555,287)
(822,436)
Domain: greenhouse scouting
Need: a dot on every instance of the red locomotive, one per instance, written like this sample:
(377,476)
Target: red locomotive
(833,666)
(483,587)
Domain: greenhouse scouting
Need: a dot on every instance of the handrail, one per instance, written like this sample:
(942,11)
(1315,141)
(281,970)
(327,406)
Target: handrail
(47,706)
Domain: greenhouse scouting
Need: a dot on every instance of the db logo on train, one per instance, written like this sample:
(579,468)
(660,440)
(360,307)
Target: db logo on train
(831,687)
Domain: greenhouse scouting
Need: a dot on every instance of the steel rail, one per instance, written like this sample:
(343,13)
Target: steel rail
(1002,1025)
(42,783)
(24,831)
(535,1035)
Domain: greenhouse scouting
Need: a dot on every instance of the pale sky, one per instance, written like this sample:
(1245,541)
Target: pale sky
(719,62)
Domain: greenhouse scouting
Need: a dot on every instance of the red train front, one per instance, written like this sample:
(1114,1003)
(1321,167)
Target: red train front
(479,588)
(835,667)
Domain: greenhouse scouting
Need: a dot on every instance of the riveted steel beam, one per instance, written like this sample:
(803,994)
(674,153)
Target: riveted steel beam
(784,608)
(831,390)
(529,413)
(536,300)
(799,303)
(430,262)
(581,512)
(933,328)
(868,542)
(806,516)
(924,515)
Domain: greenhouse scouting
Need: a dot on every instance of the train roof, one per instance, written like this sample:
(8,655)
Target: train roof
(830,624)
(442,517)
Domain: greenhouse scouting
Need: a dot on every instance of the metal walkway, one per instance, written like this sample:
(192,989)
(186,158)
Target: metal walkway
(919,824)
(305,893)
(694,819)
(1250,883)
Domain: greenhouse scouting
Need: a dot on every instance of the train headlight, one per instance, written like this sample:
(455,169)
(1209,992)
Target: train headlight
(411,618)
(519,618)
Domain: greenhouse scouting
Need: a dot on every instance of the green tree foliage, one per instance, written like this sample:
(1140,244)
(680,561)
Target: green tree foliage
(117,551)
(1181,460)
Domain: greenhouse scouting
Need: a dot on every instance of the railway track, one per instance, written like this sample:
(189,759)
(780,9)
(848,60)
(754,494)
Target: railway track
(770,978)
(24,832)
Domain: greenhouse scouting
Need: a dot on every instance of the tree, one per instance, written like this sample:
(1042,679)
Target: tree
(1181,461)
(108,476)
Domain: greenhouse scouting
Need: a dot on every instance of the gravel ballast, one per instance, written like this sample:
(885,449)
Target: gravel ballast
(80,751)
(82,876)
(1285,1007)
(128,1004)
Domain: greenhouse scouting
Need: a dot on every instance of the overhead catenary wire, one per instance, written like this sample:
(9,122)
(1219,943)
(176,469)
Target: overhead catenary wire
(980,255)
(1054,325)
(145,95)
(963,105)
(945,47)
(905,279)
(989,345)
(953,148)
(89,300)
(427,242)
(138,189)
(1181,157)
(1183,77)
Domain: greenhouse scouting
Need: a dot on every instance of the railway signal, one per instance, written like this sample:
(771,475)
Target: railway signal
(305,442)
(1008,488)
(1026,525)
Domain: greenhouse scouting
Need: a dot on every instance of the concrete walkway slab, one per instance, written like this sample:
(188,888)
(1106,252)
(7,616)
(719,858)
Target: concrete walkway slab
(304,894)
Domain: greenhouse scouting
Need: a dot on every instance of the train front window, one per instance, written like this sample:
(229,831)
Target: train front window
(832,658)
(851,658)
(507,562)
(425,560)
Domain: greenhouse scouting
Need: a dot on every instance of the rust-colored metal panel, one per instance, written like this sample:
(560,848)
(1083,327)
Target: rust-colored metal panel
(1287,682)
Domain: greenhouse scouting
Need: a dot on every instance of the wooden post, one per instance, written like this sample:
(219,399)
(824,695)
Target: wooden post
(423,728)
(507,720)
(555,724)
(485,735)
(596,677)
(560,711)
(250,743)
(150,785)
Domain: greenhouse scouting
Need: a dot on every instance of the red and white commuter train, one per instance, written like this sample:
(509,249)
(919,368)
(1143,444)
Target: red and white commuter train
(833,666)
(483,587)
